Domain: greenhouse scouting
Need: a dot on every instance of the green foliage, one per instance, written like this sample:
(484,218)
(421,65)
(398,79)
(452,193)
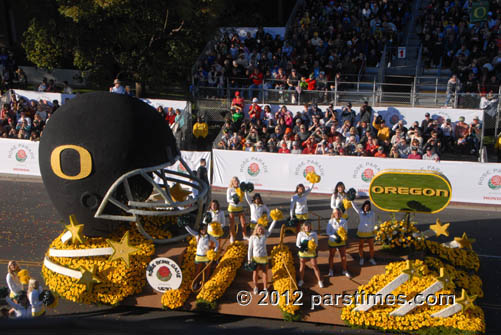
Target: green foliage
(152,42)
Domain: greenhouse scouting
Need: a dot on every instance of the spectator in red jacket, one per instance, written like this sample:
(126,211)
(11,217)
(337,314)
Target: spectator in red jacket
(256,78)
(380,152)
(254,111)
(283,149)
(312,82)
(170,116)
(238,101)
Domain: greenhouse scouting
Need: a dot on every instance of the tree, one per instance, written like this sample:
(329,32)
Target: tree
(145,41)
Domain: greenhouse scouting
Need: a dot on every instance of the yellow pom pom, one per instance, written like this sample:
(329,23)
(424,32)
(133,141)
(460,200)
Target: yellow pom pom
(276,214)
(312,245)
(240,194)
(215,229)
(313,178)
(24,276)
(263,221)
(346,204)
(342,233)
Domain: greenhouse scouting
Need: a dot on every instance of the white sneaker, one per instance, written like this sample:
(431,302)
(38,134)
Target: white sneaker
(256,290)
(347,274)
(320,284)
(331,273)
(300,283)
(372,261)
(232,240)
(362,261)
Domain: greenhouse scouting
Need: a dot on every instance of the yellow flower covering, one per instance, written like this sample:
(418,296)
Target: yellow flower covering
(313,178)
(465,258)
(312,246)
(215,229)
(281,257)
(263,221)
(378,316)
(470,282)
(224,274)
(159,226)
(276,214)
(342,233)
(24,276)
(117,280)
(397,234)
(173,299)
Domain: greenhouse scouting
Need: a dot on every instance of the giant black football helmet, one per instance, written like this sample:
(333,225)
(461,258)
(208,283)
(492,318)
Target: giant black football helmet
(101,156)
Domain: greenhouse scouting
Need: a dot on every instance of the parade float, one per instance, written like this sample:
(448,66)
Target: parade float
(106,161)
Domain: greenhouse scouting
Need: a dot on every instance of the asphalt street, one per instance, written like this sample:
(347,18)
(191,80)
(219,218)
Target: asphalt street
(29,223)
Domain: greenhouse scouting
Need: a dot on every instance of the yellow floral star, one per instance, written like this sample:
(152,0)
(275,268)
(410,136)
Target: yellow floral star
(89,277)
(410,270)
(466,300)
(178,194)
(122,249)
(439,228)
(464,241)
(445,278)
(75,229)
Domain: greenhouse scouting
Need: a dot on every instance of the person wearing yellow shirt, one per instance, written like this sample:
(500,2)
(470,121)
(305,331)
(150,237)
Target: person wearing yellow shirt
(383,131)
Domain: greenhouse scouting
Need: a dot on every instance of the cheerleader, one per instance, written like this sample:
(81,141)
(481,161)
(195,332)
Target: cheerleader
(204,241)
(299,205)
(234,198)
(304,239)
(337,240)
(257,208)
(338,196)
(34,290)
(216,214)
(20,306)
(13,282)
(365,230)
(257,253)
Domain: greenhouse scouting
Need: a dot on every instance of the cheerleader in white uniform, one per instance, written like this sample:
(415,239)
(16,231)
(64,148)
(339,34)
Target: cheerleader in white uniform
(365,230)
(257,253)
(306,254)
(299,204)
(234,197)
(336,241)
(20,306)
(34,290)
(204,242)
(257,208)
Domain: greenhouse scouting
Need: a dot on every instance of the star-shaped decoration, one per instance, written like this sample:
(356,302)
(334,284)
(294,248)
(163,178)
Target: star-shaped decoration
(466,300)
(89,277)
(444,278)
(410,270)
(75,229)
(464,241)
(122,250)
(178,194)
(439,228)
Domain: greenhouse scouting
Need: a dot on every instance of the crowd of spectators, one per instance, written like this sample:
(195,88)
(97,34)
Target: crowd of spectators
(470,49)
(24,119)
(344,132)
(327,40)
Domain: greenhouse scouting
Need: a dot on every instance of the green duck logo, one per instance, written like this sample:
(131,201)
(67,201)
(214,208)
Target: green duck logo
(21,156)
(308,169)
(495,182)
(164,273)
(253,169)
(367,175)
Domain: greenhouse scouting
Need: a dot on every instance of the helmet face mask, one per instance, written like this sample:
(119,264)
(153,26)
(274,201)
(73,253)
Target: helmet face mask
(101,157)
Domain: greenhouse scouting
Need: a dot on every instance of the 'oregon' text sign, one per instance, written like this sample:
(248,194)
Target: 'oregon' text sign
(410,191)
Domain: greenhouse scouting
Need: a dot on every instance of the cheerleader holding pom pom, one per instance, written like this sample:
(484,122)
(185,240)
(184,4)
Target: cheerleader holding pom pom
(12,279)
(307,242)
(339,199)
(365,230)
(204,242)
(299,205)
(215,220)
(257,253)
(257,209)
(234,197)
(337,229)
(34,291)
